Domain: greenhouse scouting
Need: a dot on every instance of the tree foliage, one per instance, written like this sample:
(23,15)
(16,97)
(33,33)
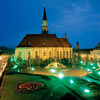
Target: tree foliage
(66,62)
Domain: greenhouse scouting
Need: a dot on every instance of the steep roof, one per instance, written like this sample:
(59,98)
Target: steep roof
(97,47)
(43,40)
(64,42)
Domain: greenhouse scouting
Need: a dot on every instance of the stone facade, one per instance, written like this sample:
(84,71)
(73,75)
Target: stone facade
(43,52)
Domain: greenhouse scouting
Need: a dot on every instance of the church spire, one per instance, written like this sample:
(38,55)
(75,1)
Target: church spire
(44,16)
(44,23)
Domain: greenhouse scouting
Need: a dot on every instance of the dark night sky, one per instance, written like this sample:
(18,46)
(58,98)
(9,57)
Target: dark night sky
(80,19)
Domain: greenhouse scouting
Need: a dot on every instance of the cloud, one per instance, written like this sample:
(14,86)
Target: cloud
(78,16)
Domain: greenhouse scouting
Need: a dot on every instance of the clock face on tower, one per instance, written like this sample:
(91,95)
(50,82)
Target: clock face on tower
(45,23)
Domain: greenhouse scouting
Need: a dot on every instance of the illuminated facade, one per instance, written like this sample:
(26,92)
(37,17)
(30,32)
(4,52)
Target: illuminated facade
(91,54)
(44,45)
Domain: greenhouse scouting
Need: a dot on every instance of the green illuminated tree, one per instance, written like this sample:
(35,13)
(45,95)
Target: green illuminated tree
(10,64)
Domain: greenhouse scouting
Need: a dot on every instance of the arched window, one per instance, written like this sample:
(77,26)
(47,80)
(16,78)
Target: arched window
(44,53)
(70,53)
(20,54)
(36,54)
(67,54)
(63,54)
(58,54)
(29,55)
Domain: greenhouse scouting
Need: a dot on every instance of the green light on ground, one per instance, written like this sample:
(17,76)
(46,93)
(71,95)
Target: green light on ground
(32,69)
(94,67)
(99,73)
(81,62)
(91,64)
(71,81)
(15,66)
(18,70)
(53,70)
(88,69)
(86,91)
(60,75)
(11,59)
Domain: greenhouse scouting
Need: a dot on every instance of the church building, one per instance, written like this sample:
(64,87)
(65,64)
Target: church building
(44,45)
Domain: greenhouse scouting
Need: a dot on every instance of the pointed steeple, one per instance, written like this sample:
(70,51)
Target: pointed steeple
(44,16)
(77,46)
(44,23)
(65,36)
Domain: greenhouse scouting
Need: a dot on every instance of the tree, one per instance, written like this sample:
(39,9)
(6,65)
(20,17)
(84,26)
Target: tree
(66,62)
(37,62)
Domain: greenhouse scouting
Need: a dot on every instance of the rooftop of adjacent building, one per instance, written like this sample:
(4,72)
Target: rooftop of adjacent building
(88,50)
(97,47)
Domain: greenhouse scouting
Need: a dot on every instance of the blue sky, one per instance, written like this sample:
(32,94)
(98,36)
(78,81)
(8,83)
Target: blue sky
(80,19)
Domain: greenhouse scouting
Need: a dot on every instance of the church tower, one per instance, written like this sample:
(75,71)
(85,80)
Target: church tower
(44,23)
(77,46)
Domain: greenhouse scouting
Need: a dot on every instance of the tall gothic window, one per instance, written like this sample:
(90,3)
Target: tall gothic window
(29,55)
(36,54)
(50,54)
(44,53)
(67,54)
(29,59)
(70,53)
(63,54)
(20,54)
(60,54)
